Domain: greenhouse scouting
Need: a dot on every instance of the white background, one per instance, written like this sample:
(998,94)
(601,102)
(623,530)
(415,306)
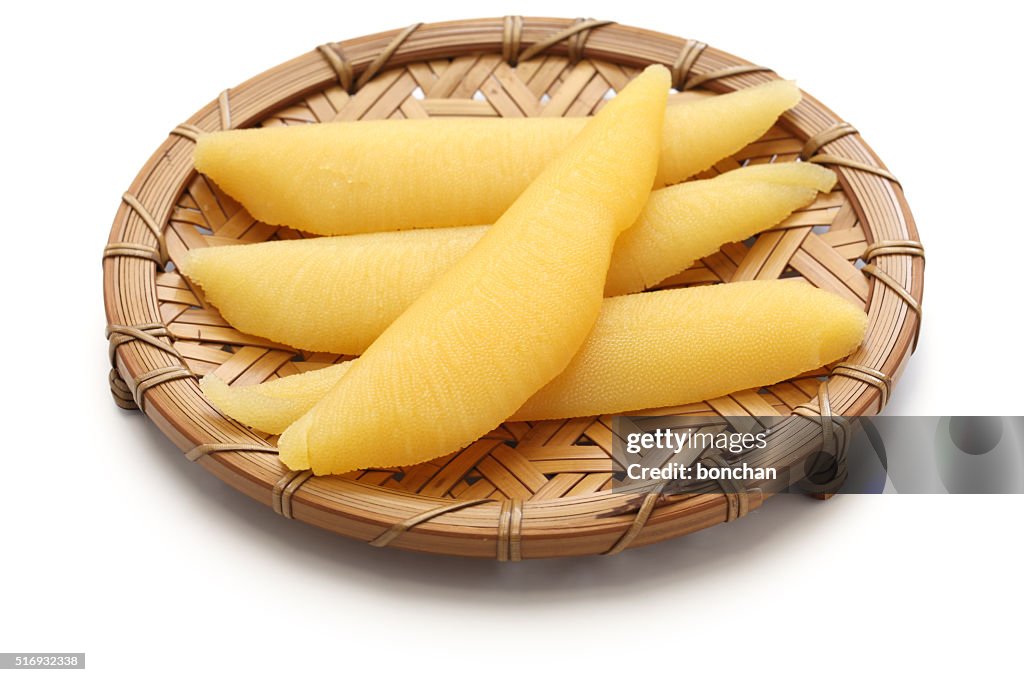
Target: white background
(113,544)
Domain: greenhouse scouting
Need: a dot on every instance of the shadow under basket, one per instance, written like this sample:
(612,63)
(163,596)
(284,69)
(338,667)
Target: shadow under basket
(526,490)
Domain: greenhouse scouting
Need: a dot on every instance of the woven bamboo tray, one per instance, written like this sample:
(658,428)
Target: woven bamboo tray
(526,490)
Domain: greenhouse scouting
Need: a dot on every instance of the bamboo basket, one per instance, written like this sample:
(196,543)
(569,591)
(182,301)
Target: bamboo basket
(526,490)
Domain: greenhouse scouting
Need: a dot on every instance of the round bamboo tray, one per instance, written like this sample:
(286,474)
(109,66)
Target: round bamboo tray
(526,490)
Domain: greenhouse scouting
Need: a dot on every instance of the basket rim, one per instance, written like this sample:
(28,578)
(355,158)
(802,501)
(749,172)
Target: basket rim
(481,529)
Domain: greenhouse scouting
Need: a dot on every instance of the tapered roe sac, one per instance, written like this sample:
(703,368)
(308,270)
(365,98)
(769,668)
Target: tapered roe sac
(338,294)
(506,318)
(654,349)
(368,176)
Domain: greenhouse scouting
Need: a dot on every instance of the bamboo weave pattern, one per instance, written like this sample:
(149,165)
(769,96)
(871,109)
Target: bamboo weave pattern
(519,465)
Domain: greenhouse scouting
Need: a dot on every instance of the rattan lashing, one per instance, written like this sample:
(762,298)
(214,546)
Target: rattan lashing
(526,490)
